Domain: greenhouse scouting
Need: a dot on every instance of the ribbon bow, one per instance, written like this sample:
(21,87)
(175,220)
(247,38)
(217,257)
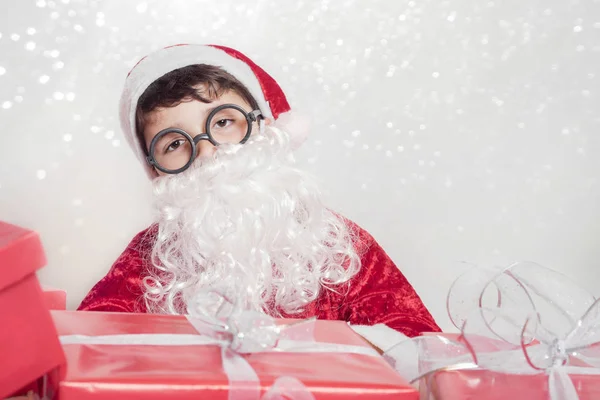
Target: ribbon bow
(523,319)
(213,313)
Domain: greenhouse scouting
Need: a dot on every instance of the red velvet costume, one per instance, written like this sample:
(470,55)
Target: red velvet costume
(379,293)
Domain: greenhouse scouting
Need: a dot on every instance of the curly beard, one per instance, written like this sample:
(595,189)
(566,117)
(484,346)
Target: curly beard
(247,222)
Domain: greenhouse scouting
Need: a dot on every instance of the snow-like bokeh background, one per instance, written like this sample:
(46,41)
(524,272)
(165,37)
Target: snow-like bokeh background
(451,130)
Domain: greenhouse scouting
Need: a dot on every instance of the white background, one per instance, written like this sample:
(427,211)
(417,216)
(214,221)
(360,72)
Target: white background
(451,130)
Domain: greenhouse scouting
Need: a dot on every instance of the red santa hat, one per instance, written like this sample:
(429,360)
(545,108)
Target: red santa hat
(265,90)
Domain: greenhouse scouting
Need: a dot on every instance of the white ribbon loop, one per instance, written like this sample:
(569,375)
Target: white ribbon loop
(246,331)
(286,388)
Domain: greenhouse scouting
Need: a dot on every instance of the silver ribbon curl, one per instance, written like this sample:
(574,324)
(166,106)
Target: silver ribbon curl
(524,319)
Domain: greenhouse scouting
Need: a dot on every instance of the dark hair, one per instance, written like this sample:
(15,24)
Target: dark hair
(181,84)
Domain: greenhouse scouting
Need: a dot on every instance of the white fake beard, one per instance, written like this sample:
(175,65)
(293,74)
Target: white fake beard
(247,223)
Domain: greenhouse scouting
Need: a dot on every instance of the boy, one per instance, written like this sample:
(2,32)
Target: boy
(215,134)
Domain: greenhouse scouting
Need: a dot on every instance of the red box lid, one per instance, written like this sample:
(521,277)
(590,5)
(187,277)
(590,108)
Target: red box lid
(21,254)
(55,299)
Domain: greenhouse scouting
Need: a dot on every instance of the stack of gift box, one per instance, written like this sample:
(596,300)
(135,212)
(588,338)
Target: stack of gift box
(29,346)
(50,353)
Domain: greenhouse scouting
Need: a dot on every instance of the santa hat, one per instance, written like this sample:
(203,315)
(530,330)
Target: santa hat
(265,90)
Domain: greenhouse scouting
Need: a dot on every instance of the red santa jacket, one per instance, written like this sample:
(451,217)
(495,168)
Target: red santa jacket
(379,293)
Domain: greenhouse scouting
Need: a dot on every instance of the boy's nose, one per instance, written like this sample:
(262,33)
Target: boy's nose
(205,149)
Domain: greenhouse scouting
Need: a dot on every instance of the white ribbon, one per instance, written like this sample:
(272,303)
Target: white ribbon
(524,319)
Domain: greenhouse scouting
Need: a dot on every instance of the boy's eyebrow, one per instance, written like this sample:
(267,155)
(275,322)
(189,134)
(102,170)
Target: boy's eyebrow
(179,125)
(208,111)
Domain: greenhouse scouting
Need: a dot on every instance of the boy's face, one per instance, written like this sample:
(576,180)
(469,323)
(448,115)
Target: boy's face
(191,117)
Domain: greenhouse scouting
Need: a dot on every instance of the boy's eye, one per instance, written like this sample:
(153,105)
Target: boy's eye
(174,145)
(222,123)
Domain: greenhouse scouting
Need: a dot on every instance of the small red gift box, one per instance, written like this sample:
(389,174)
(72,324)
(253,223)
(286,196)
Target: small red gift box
(151,371)
(489,385)
(55,299)
(29,346)
(484,384)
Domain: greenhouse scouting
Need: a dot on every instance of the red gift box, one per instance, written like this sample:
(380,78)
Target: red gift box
(484,384)
(490,385)
(29,346)
(134,371)
(55,299)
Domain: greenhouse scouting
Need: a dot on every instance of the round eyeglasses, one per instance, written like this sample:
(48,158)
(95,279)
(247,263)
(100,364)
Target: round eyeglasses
(173,150)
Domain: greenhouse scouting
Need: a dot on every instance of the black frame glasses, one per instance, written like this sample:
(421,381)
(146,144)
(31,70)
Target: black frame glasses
(251,117)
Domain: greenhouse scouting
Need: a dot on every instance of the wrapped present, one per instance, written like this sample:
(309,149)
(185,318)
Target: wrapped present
(55,299)
(492,385)
(527,332)
(248,356)
(28,339)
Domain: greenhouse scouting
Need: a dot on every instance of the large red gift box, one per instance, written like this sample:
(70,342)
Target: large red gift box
(29,347)
(136,372)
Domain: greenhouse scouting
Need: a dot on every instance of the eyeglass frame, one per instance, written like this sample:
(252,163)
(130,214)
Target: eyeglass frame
(251,117)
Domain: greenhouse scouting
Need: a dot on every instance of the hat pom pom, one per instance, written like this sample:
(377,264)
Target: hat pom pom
(296,126)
